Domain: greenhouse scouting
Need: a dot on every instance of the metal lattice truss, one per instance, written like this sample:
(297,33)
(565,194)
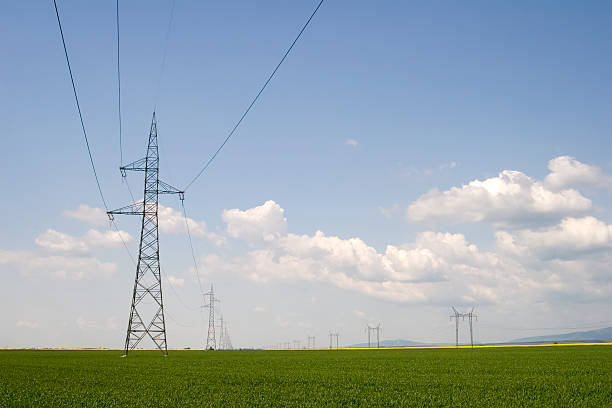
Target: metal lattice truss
(471,315)
(211,338)
(147,310)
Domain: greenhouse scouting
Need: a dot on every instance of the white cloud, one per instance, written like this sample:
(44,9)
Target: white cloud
(172,221)
(359,314)
(106,239)
(174,281)
(74,267)
(351,142)
(436,268)
(566,171)
(55,241)
(511,198)
(90,215)
(265,222)
(571,238)
(110,323)
(27,324)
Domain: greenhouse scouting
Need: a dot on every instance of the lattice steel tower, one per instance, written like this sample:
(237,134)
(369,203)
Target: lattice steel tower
(211,339)
(147,318)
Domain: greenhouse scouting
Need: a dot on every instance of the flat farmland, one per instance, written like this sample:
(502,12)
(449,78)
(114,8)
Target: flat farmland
(572,376)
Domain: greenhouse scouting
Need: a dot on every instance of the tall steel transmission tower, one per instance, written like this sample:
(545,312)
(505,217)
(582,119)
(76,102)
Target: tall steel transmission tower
(224,339)
(333,335)
(147,318)
(311,342)
(377,328)
(372,329)
(211,338)
(457,315)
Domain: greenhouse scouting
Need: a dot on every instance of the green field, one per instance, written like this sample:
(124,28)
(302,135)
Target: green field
(514,377)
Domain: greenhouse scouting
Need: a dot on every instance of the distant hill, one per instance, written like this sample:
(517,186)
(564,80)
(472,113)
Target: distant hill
(591,335)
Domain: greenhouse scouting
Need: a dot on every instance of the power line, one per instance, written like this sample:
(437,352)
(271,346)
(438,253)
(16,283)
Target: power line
(254,100)
(76,98)
(177,295)
(195,262)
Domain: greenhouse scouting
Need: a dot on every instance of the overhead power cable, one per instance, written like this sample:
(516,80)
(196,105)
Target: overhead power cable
(91,160)
(231,133)
(76,98)
(177,295)
(195,262)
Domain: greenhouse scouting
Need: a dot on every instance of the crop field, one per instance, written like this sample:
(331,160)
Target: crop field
(576,376)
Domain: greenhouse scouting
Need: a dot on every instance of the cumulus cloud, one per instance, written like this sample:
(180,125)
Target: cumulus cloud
(436,267)
(566,171)
(57,266)
(567,240)
(110,323)
(174,281)
(27,324)
(55,241)
(351,142)
(90,215)
(265,222)
(172,221)
(359,314)
(511,198)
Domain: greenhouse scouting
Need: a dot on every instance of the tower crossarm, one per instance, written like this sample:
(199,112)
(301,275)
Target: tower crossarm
(165,188)
(138,165)
(131,209)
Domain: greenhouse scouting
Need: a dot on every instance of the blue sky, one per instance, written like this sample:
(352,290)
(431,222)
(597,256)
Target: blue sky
(435,95)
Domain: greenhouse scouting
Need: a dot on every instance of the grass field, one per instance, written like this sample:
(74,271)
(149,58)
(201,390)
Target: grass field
(513,377)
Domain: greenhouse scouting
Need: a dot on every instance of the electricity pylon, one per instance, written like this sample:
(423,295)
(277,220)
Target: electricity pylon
(228,341)
(224,339)
(470,315)
(221,334)
(211,339)
(377,328)
(311,338)
(331,337)
(147,319)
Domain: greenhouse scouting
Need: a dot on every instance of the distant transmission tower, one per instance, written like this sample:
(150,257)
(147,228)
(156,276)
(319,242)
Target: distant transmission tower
(377,328)
(457,315)
(333,335)
(221,334)
(369,329)
(311,339)
(211,338)
(228,341)
(147,318)
(224,339)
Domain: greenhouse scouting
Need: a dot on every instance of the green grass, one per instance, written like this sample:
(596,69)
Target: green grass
(515,377)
